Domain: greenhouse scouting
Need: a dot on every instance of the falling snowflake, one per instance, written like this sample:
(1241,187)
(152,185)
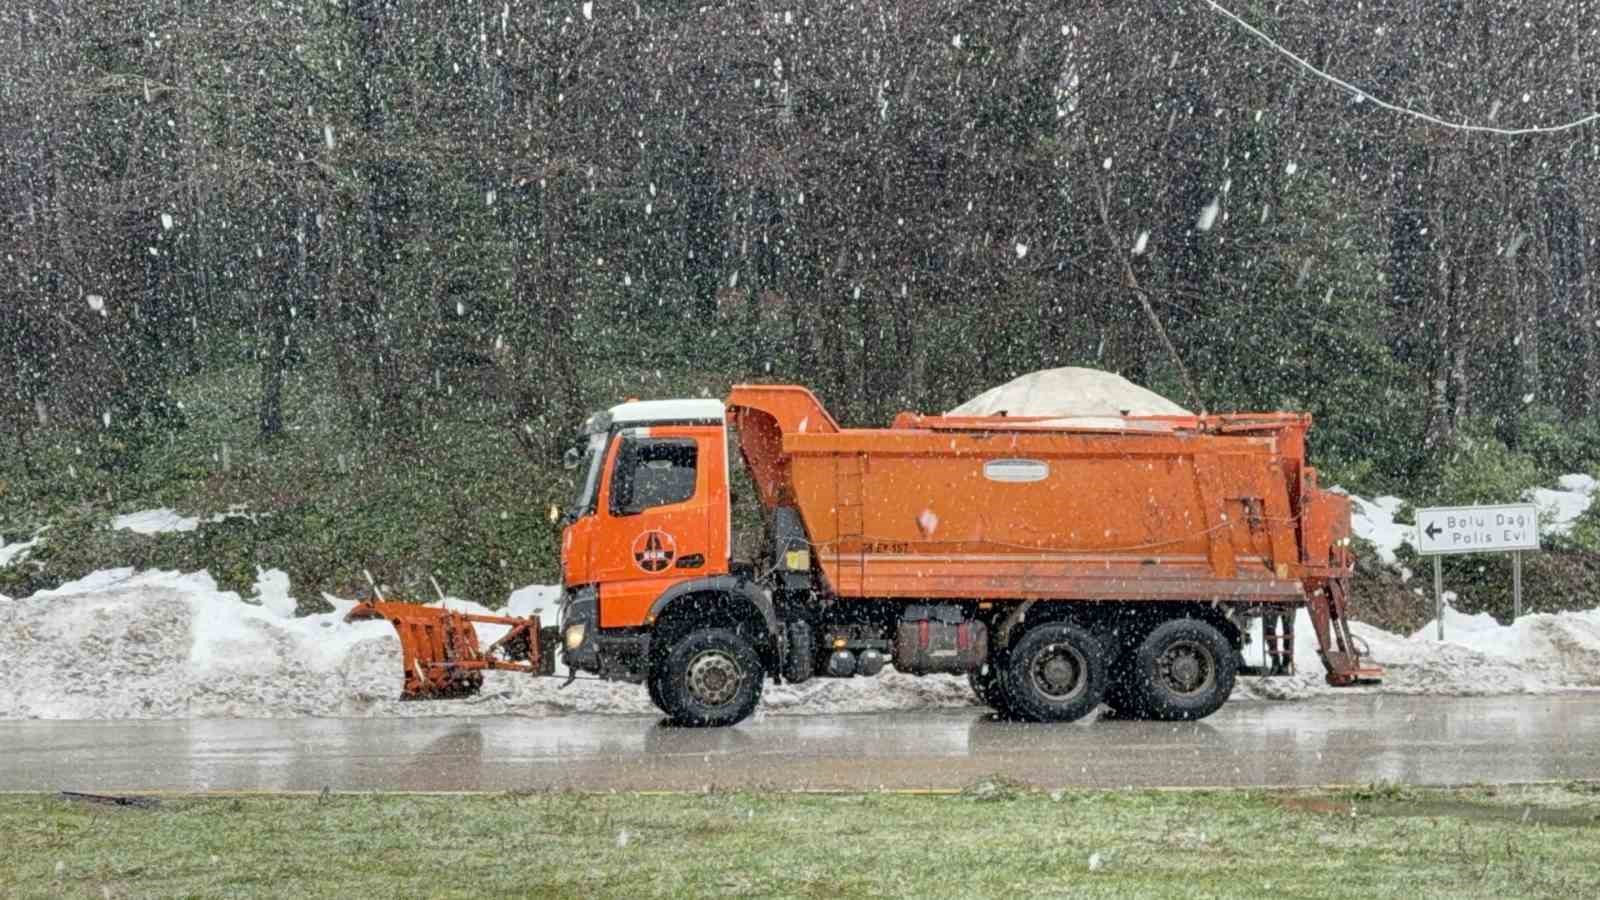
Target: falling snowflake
(166,221)
(1022,249)
(1291,168)
(1140,242)
(1208,216)
(956,42)
(588,15)
(97,303)
(327,135)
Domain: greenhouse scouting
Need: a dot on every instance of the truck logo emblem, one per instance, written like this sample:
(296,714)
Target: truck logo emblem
(654,550)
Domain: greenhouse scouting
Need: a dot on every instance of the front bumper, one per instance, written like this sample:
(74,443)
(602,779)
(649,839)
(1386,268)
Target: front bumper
(616,654)
(580,613)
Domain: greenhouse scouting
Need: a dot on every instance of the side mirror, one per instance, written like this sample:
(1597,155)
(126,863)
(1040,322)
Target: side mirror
(571,458)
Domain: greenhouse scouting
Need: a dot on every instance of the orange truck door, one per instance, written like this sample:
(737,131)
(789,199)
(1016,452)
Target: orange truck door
(655,517)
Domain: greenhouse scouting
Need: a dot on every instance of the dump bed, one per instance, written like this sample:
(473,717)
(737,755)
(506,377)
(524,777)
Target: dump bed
(1137,508)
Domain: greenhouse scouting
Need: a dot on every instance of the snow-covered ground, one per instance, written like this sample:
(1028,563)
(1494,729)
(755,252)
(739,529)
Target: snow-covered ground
(121,644)
(1539,653)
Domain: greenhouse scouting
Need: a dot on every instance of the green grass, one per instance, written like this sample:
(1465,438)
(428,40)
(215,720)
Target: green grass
(1001,843)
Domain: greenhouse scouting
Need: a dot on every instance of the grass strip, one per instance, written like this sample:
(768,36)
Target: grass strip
(993,840)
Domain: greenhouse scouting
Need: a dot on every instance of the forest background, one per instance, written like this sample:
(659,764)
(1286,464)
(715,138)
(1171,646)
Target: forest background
(359,268)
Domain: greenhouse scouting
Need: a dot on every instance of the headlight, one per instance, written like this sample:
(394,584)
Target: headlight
(574,635)
(797,560)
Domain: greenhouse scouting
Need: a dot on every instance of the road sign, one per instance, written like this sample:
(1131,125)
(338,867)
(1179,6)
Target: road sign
(1507,528)
(1477,529)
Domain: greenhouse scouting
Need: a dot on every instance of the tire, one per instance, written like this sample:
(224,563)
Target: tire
(1055,673)
(800,662)
(709,678)
(1184,670)
(990,687)
(652,683)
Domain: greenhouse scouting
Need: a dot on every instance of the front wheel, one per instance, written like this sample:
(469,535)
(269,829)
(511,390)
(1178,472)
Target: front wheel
(1183,670)
(1055,673)
(710,677)
(988,684)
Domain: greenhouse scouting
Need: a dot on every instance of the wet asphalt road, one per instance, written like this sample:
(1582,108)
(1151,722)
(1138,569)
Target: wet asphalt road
(1348,740)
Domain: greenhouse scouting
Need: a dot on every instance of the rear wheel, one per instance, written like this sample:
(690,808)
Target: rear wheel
(1185,669)
(1055,673)
(710,677)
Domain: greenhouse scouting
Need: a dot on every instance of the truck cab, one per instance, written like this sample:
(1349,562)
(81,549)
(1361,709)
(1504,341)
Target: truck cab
(651,522)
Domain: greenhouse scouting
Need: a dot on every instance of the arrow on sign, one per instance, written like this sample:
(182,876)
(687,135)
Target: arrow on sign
(1433,530)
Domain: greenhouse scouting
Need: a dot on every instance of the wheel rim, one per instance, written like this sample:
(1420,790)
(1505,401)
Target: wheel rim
(1058,672)
(714,677)
(1186,667)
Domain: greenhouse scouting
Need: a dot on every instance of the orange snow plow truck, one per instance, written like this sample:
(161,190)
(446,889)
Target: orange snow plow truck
(1057,563)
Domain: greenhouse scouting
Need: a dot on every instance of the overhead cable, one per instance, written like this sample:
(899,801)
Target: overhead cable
(1368,95)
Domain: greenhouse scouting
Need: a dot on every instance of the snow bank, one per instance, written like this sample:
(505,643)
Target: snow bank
(123,644)
(1538,654)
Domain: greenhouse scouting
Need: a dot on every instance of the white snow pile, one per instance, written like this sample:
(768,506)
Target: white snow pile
(1539,653)
(121,644)
(163,520)
(1561,506)
(1069,392)
(1373,521)
(10,553)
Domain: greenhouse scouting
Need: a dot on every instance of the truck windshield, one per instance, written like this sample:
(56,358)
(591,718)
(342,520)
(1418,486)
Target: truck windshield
(589,473)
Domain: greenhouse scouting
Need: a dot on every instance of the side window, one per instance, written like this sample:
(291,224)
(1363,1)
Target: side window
(652,473)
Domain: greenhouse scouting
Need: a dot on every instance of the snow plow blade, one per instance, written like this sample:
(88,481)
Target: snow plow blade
(440,653)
